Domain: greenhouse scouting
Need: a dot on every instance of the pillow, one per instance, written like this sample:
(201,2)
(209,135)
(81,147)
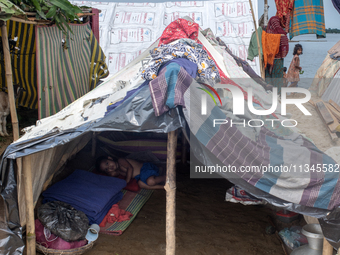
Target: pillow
(132,185)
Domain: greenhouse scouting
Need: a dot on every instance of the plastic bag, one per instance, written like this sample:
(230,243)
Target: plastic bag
(293,237)
(63,220)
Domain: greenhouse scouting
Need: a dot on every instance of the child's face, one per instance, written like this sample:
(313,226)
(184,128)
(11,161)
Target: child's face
(110,167)
(299,51)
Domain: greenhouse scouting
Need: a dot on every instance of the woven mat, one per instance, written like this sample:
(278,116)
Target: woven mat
(131,202)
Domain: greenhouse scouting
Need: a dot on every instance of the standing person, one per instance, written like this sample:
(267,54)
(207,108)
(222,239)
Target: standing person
(294,69)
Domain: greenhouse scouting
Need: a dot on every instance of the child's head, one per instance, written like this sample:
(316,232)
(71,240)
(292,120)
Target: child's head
(107,165)
(284,69)
(298,49)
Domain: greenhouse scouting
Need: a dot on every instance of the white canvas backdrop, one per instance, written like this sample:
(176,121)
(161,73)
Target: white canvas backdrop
(127,29)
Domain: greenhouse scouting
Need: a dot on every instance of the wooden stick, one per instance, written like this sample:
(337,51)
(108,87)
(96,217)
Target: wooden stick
(333,111)
(327,248)
(258,40)
(9,81)
(326,116)
(332,135)
(265,17)
(94,144)
(30,227)
(170,188)
(184,149)
(335,105)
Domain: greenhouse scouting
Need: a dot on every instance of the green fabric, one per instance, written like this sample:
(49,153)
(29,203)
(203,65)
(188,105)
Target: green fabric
(276,77)
(252,50)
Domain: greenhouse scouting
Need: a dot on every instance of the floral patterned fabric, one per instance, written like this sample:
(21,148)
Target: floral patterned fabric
(185,48)
(274,27)
(283,9)
(179,29)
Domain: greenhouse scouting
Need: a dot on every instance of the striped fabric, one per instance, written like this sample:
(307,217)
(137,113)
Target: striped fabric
(157,147)
(234,147)
(172,76)
(301,181)
(23,63)
(98,67)
(64,64)
(308,18)
(131,202)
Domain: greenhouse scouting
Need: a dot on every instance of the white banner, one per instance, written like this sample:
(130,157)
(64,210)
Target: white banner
(127,29)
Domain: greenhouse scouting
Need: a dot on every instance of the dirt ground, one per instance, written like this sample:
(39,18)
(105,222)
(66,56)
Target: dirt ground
(205,224)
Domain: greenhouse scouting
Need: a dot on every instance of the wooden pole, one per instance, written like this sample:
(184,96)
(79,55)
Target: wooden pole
(184,149)
(265,16)
(30,227)
(9,80)
(258,40)
(94,144)
(327,248)
(170,187)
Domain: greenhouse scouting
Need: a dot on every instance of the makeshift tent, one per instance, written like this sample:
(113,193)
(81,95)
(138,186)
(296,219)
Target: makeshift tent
(325,80)
(54,68)
(46,147)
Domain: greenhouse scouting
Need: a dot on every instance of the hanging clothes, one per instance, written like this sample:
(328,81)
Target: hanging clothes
(253,51)
(275,78)
(308,18)
(270,47)
(179,29)
(185,48)
(274,27)
(283,10)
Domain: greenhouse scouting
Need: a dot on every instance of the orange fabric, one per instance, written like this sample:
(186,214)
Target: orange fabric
(115,214)
(270,47)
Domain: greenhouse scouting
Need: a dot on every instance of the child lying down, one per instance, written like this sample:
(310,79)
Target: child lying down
(146,174)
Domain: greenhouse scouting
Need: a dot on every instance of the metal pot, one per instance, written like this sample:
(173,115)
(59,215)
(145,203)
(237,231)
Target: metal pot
(314,236)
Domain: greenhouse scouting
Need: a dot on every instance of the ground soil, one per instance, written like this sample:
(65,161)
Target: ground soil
(205,224)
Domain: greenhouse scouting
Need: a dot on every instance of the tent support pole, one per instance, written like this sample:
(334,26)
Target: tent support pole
(170,187)
(184,149)
(327,248)
(258,40)
(9,80)
(265,17)
(94,144)
(30,227)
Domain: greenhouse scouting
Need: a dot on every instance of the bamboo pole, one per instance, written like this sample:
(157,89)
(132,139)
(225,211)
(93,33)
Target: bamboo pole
(170,187)
(265,17)
(94,144)
(9,80)
(327,248)
(258,40)
(184,149)
(30,227)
